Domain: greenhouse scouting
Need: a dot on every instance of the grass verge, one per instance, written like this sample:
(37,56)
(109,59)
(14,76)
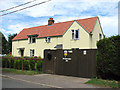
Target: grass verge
(25,72)
(106,83)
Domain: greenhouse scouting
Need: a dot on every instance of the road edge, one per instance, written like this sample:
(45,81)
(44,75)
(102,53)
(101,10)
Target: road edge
(52,86)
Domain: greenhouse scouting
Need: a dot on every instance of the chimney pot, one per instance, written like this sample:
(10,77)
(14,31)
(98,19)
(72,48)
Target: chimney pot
(50,21)
(50,18)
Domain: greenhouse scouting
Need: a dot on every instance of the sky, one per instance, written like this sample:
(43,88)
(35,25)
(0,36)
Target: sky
(61,11)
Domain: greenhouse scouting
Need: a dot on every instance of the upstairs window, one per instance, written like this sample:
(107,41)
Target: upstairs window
(32,39)
(48,39)
(31,52)
(75,34)
(100,36)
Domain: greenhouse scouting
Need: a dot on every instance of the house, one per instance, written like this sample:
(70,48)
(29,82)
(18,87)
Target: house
(81,33)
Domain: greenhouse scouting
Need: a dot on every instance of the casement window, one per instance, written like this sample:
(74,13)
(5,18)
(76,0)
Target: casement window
(31,52)
(75,34)
(100,36)
(48,39)
(32,39)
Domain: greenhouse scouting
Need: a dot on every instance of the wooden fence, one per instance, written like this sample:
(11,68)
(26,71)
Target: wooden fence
(79,62)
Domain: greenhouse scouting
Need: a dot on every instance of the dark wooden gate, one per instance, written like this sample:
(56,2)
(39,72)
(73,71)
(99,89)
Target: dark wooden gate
(49,61)
(82,63)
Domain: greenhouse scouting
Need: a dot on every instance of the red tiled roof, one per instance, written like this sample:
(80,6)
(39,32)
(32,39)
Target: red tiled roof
(56,29)
(88,24)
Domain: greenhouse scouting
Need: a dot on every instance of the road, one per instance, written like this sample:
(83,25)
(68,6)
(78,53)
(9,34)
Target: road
(11,83)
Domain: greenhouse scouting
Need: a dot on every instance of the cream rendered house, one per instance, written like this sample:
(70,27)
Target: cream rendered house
(82,34)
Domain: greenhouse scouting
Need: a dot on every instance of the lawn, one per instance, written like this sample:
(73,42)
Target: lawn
(106,83)
(25,72)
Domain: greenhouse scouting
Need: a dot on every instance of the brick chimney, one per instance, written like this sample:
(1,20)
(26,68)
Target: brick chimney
(50,21)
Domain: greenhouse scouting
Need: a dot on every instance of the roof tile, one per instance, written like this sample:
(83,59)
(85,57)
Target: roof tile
(56,29)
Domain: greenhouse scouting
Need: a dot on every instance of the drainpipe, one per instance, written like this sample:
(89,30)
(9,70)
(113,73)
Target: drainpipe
(91,40)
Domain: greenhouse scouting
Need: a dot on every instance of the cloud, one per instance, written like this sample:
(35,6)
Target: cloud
(64,7)
(15,28)
(70,8)
(5,4)
(109,25)
(60,10)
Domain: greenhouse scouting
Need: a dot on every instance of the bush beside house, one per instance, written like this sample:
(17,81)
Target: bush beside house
(108,59)
(31,64)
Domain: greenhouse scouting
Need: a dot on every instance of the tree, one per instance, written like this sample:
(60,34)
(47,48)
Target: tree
(10,37)
(108,59)
(3,44)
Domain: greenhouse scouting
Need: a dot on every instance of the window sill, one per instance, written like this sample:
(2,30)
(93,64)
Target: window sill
(74,39)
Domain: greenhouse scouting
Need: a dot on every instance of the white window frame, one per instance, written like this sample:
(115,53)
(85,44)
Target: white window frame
(32,52)
(48,39)
(74,34)
(31,39)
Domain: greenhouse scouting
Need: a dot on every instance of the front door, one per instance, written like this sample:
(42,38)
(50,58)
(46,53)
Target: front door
(22,52)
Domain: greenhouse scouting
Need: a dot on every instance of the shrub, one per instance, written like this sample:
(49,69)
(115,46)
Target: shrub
(119,84)
(3,62)
(32,57)
(32,64)
(20,64)
(22,57)
(16,64)
(26,65)
(108,60)
(11,63)
(39,65)
(35,56)
(7,63)
(39,57)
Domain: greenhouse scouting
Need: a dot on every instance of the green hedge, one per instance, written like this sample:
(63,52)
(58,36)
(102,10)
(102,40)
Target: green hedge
(17,64)
(4,62)
(32,64)
(26,65)
(11,63)
(39,65)
(108,58)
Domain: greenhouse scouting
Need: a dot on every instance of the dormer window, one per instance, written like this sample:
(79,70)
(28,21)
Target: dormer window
(48,39)
(75,34)
(32,39)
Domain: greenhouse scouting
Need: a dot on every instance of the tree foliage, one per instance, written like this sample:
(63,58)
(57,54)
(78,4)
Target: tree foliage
(10,37)
(108,60)
(3,44)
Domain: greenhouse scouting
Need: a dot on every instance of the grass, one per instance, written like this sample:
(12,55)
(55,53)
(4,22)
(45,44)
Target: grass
(106,83)
(25,72)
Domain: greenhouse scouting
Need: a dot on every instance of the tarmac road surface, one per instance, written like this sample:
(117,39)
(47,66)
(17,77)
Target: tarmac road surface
(11,83)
